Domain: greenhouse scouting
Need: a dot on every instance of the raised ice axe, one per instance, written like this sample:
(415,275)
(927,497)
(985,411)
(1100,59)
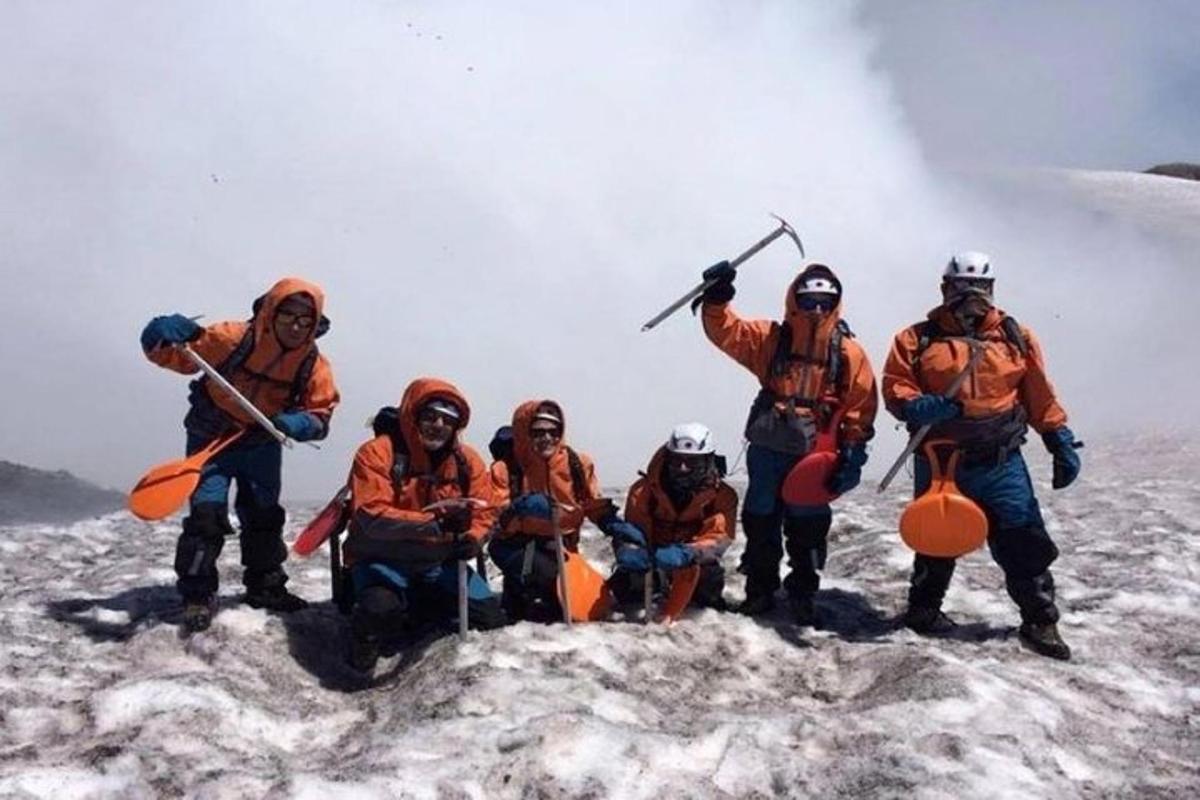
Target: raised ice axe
(783,229)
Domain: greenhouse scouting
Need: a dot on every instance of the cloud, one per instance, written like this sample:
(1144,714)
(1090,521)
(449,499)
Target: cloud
(499,195)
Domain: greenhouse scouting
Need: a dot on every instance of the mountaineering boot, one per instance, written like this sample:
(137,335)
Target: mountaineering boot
(926,621)
(1043,639)
(274,598)
(756,605)
(198,614)
(804,611)
(760,562)
(364,651)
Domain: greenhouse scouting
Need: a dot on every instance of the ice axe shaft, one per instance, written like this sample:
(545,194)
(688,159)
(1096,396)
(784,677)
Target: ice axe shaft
(784,228)
(246,405)
(915,441)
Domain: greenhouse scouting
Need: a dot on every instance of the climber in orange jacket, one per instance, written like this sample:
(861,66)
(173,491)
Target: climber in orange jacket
(688,515)
(808,367)
(534,472)
(420,502)
(273,360)
(986,419)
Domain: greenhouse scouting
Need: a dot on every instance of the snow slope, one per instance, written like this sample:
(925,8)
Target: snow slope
(101,699)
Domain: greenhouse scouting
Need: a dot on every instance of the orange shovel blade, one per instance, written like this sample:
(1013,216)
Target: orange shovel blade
(590,598)
(943,524)
(683,586)
(166,487)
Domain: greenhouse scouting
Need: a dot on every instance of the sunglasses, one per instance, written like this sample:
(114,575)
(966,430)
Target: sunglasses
(300,319)
(814,302)
(545,433)
(967,284)
(431,417)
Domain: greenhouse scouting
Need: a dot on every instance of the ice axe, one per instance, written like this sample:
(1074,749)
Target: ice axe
(245,404)
(915,441)
(784,228)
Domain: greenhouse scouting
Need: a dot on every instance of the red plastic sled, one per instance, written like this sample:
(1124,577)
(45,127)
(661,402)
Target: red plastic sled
(333,517)
(806,484)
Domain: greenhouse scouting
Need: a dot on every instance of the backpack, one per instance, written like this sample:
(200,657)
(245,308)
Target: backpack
(929,332)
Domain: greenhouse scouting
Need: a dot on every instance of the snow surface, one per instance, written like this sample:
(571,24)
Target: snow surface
(100,697)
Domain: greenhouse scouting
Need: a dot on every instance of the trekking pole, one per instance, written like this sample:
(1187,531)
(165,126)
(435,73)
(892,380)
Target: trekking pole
(648,596)
(784,228)
(915,440)
(561,556)
(462,599)
(245,404)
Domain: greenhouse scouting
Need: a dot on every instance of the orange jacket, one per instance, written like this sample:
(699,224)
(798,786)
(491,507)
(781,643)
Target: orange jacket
(707,523)
(1002,378)
(551,476)
(265,377)
(752,343)
(392,508)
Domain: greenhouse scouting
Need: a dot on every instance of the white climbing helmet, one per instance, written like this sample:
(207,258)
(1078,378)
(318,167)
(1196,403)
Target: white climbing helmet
(691,439)
(969,264)
(817,285)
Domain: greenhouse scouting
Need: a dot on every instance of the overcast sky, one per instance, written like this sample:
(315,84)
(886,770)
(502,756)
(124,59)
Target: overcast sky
(500,194)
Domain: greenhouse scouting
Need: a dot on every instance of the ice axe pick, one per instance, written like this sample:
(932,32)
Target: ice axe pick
(783,229)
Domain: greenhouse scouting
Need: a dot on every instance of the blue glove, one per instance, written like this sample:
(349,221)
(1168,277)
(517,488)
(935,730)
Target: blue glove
(930,409)
(1062,445)
(175,329)
(622,532)
(674,556)
(633,559)
(299,425)
(532,505)
(848,470)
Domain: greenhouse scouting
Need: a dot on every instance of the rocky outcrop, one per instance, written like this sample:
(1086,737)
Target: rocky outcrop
(35,495)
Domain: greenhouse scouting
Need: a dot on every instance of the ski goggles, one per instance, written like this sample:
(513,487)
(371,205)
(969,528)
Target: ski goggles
(816,302)
(963,286)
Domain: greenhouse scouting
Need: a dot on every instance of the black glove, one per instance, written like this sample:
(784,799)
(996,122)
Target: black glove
(455,519)
(721,291)
(1062,445)
(465,548)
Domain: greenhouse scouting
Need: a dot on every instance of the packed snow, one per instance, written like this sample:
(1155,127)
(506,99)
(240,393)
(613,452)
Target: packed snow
(101,697)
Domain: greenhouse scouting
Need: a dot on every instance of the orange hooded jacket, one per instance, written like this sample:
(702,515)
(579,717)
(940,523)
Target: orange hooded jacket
(752,343)
(266,376)
(707,523)
(552,476)
(391,509)
(1002,379)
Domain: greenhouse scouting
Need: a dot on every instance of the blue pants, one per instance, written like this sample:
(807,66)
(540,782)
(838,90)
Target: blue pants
(390,594)
(256,468)
(1017,537)
(768,521)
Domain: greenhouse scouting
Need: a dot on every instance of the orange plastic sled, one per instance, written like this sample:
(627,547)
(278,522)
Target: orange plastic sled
(683,586)
(166,487)
(943,522)
(590,599)
(805,484)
